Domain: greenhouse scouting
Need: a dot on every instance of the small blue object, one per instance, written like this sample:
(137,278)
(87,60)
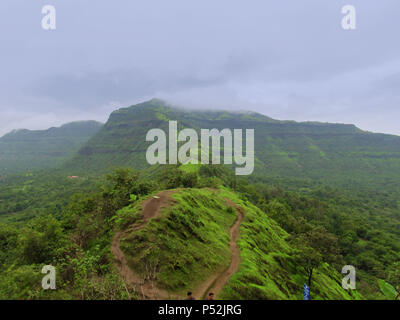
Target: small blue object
(306,292)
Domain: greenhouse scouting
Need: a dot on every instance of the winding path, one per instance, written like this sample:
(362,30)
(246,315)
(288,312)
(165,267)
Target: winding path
(151,209)
(217,281)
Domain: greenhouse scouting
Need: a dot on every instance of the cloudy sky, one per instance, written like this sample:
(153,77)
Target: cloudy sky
(287,59)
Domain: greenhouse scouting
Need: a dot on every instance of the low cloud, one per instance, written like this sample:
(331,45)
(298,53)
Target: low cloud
(285,59)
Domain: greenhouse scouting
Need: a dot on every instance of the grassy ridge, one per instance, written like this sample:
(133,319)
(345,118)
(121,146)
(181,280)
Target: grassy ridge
(190,242)
(268,270)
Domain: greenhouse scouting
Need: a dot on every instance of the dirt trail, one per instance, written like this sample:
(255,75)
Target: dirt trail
(151,209)
(217,281)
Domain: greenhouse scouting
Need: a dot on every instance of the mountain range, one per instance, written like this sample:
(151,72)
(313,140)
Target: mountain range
(338,154)
(25,150)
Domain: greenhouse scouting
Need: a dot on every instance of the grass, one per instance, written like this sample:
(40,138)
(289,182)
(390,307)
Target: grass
(267,270)
(186,244)
(190,241)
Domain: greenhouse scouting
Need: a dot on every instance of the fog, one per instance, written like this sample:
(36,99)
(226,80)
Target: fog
(285,59)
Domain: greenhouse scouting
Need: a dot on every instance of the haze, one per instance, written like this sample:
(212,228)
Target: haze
(285,59)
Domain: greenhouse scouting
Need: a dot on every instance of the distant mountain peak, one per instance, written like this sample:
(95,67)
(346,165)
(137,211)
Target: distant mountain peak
(24,150)
(68,125)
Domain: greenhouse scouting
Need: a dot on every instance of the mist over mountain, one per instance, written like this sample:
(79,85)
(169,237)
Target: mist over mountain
(339,154)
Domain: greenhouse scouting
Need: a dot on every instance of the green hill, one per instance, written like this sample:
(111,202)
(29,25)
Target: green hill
(335,154)
(189,244)
(25,150)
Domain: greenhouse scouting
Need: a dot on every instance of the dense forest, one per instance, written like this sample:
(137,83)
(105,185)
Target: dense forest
(73,227)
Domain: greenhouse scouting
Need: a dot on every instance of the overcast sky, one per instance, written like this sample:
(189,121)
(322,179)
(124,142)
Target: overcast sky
(285,59)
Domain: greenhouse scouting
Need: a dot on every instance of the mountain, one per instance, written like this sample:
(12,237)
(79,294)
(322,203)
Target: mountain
(337,154)
(25,150)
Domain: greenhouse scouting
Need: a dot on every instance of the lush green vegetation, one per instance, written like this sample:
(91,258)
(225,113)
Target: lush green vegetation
(330,154)
(322,196)
(188,243)
(190,240)
(77,244)
(47,192)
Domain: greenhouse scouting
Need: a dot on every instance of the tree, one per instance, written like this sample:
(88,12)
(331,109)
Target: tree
(314,246)
(119,187)
(325,243)
(309,259)
(189,180)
